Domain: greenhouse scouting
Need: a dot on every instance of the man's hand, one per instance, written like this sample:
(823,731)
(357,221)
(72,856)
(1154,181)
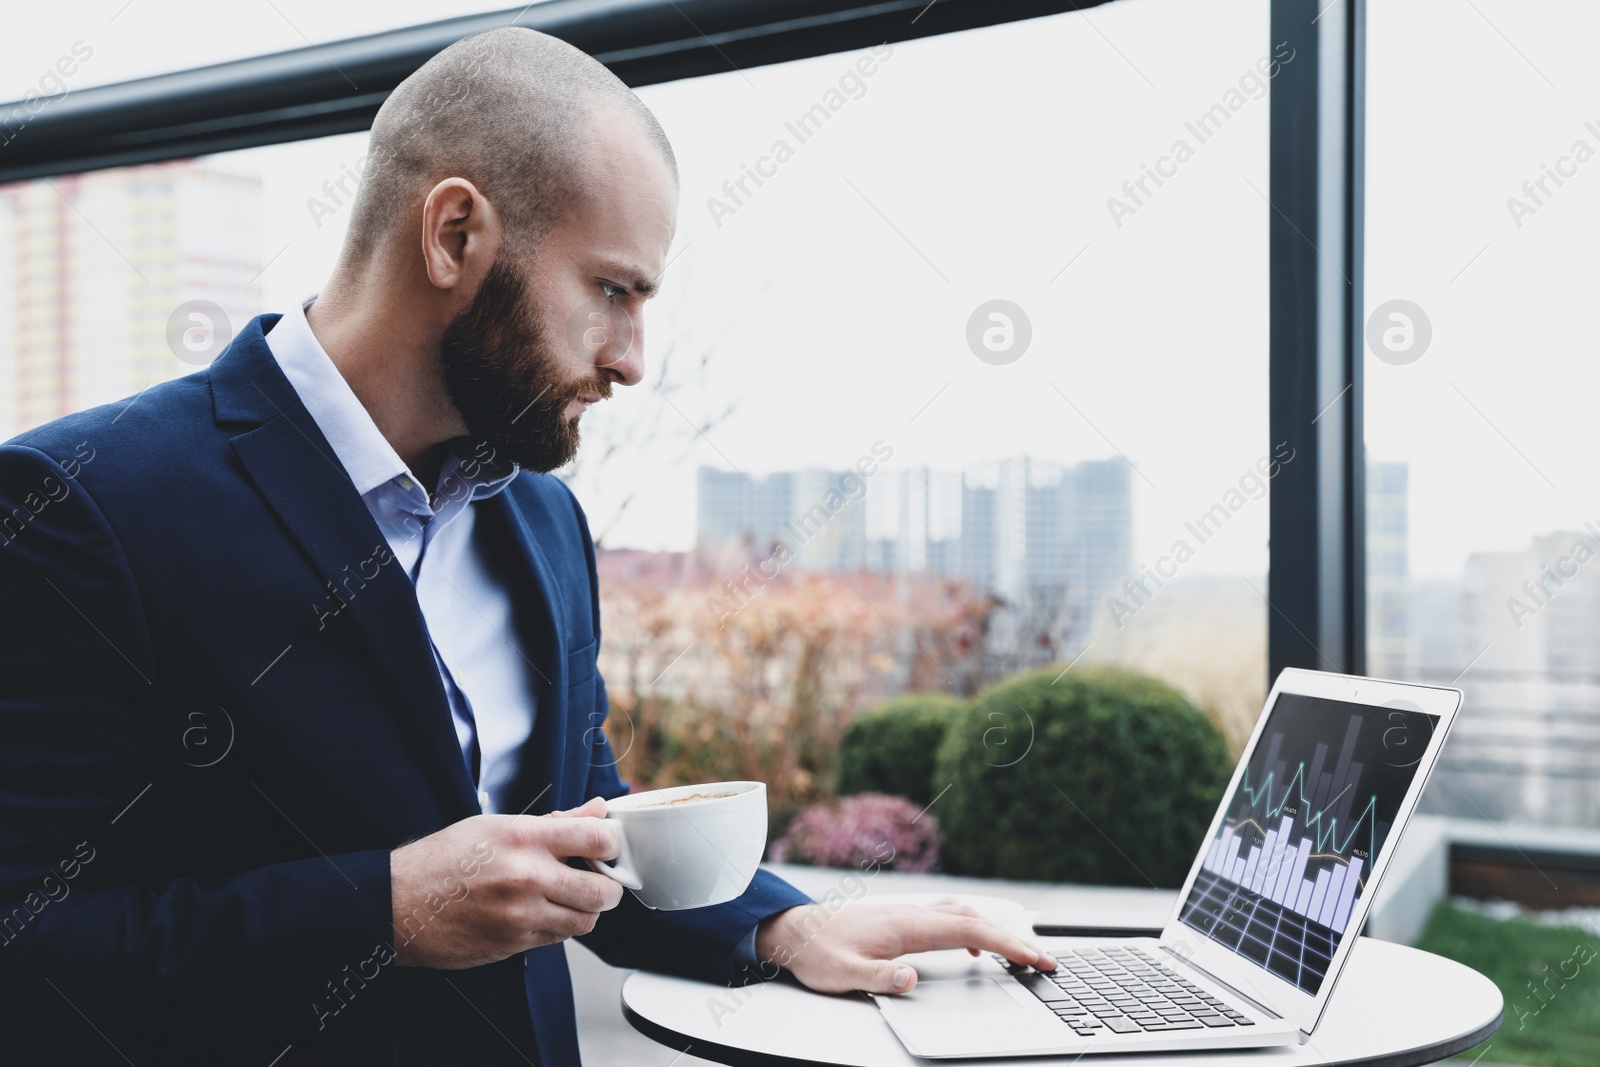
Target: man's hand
(855,947)
(490,886)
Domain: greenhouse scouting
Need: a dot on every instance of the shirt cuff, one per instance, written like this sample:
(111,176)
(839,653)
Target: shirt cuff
(745,951)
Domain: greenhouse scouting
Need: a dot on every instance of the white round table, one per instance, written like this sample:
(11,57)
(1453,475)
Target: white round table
(1394,1006)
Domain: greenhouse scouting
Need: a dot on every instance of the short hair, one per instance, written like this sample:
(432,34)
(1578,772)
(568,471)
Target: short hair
(508,110)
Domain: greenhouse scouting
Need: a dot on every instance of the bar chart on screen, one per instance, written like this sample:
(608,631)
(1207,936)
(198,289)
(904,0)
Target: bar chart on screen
(1280,880)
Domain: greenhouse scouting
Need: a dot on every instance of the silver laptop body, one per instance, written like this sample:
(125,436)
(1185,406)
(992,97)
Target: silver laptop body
(1263,924)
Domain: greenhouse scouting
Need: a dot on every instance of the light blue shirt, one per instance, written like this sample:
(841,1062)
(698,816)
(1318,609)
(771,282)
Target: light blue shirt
(468,614)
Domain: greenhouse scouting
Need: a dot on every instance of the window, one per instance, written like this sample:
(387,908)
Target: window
(1481,198)
(985,358)
(942,327)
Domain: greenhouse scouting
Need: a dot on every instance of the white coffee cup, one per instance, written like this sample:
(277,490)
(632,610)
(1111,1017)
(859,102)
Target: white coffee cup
(688,846)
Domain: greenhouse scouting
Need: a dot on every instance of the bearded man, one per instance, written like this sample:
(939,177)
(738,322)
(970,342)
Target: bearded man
(300,745)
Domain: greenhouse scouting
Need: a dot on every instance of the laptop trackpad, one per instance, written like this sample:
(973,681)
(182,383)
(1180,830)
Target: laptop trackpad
(956,995)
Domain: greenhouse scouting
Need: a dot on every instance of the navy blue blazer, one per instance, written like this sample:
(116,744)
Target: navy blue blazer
(219,713)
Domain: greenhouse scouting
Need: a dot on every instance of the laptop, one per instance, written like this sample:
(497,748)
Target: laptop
(1265,920)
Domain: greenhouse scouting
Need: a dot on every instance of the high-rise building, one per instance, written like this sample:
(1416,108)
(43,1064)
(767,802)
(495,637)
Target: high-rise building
(826,524)
(734,509)
(1535,611)
(1049,540)
(1528,657)
(1488,639)
(1097,504)
(94,265)
(1434,614)
(914,522)
(1570,570)
(1390,651)
(817,515)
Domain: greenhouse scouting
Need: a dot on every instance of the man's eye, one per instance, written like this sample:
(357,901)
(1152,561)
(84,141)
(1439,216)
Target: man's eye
(610,290)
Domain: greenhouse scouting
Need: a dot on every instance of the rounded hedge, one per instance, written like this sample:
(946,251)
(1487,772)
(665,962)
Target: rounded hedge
(892,749)
(1100,777)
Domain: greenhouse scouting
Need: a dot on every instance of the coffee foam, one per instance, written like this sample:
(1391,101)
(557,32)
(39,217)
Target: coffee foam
(682,800)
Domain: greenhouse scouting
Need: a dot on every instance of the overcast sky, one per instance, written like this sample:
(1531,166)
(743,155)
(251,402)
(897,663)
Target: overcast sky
(834,302)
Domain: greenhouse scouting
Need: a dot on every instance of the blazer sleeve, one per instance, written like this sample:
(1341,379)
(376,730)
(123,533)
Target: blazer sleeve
(701,942)
(81,745)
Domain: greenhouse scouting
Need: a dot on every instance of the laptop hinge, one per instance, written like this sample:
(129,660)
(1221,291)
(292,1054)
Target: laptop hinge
(1252,1001)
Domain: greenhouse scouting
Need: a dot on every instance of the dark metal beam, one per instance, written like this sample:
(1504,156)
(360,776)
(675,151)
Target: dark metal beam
(338,87)
(1317,584)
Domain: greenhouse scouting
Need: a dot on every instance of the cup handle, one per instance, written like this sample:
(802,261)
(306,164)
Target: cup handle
(622,868)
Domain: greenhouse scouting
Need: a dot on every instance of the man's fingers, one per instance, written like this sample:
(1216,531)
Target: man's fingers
(583,836)
(885,976)
(563,922)
(583,890)
(951,907)
(963,931)
(594,807)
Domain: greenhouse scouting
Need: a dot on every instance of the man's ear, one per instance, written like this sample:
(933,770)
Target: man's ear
(461,234)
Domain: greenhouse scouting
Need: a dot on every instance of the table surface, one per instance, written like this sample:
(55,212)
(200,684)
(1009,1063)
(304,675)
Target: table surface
(1394,1006)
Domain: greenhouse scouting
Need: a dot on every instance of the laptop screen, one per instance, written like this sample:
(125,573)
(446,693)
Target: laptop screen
(1313,811)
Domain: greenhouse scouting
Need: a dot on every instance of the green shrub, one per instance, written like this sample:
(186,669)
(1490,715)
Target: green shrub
(1103,777)
(892,749)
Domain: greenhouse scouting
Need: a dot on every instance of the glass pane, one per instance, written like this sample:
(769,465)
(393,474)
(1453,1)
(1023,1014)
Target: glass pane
(987,356)
(1482,197)
(944,339)
(102,265)
(1479,388)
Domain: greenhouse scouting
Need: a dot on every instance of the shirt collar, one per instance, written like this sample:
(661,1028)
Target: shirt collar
(360,446)
(477,467)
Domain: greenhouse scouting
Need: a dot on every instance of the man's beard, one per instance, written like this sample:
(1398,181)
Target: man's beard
(505,379)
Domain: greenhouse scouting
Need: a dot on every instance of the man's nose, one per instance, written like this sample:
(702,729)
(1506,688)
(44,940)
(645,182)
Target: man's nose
(622,356)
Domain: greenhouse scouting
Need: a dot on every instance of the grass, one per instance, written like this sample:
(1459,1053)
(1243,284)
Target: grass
(1549,976)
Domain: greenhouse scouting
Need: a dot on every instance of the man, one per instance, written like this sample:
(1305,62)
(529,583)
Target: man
(299,760)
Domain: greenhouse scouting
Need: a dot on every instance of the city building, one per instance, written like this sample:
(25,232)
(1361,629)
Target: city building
(1528,659)
(1390,642)
(732,509)
(94,266)
(1537,610)
(1434,614)
(1049,540)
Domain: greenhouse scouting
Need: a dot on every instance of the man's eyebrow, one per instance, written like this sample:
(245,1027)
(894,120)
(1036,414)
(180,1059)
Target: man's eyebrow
(629,275)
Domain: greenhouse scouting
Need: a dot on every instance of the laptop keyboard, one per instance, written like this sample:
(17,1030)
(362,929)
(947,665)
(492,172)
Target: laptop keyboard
(1099,991)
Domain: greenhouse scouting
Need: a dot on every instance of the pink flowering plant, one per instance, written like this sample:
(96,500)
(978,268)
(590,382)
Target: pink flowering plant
(855,831)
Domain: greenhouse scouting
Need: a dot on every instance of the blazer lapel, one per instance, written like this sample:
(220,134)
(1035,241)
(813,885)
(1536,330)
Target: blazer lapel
(294,468)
